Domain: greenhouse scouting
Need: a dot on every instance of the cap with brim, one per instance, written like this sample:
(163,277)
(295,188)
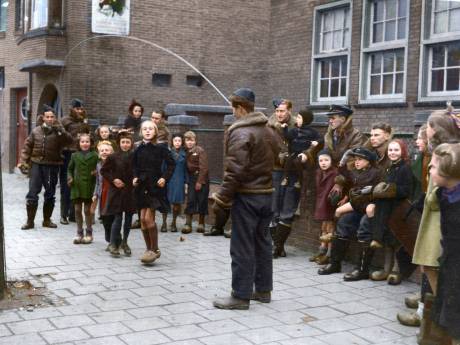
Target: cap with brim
(245,93)
(364,153)
(76,103)
(341,110)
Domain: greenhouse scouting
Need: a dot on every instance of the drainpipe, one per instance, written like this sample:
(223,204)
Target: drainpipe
(29,101)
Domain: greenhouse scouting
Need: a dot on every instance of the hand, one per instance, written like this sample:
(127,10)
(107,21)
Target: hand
(24,168)
(198,186)
(284,125)
(336,189)
(384,190)
(118,183)
(344,159)
(161,182)
(314,143)
(343,201)
(69,181)
(366,190)
(303,157)
(94,198)
(135,182)
(93,173)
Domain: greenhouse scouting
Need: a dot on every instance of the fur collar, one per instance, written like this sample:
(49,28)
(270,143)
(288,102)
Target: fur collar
(273,122)
(251,119)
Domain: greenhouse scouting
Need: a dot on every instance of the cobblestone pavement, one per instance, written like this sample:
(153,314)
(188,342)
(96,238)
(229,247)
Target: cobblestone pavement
(118,301)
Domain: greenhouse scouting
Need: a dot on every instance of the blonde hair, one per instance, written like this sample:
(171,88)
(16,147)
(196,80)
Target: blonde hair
(449,160)
(102,143)
(189,135)
(444,126)
(155,128)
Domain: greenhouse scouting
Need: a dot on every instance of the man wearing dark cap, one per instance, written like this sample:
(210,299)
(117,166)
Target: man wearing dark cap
(246,189)
(41,158)
(75,123)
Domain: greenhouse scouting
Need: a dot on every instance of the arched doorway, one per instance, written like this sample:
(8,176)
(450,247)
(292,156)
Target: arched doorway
(50,95)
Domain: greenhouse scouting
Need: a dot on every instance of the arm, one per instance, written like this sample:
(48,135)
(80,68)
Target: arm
(107,169)
(70,169)
(203,164)
(170,165)
(27,150)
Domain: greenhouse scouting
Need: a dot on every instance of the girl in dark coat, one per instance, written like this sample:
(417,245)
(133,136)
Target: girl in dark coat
(134,119)
(176,190)
(118,169)
(445,173)
(150,182)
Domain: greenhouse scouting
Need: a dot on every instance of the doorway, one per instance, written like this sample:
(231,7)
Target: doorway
(21,120)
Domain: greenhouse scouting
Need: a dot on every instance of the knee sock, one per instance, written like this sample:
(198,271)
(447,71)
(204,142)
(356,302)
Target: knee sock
(153,234)
(88,218)
(79,218)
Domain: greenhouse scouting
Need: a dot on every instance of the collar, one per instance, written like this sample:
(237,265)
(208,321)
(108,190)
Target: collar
(452,195)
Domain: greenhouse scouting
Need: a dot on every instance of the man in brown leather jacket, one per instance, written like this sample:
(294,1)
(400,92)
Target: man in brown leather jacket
(246,190)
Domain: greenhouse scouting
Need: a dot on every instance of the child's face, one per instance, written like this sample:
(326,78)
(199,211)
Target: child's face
(361,163)
(148,131)
(421,144)
(85,143)
(324,162)
(125,144)
(437,179)
(394,151)
(156,118)
(177,143)
(104,133)
(137,112)
(190,143)
(299,120)
(105,151)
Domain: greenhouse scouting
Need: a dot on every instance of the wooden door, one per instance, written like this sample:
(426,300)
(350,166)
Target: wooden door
(21,120)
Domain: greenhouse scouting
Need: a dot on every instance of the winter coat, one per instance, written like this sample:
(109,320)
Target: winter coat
(383,163)
(135,125)
(197,164)
(348,138)
(279,139)
(75,126)
(446,308)
(176,192)
(427,247)
(325,180)
(102,188)
(82,170)
(420,171)
(251,148)
(119,165)
(299,139)
(163,133)
(44,145)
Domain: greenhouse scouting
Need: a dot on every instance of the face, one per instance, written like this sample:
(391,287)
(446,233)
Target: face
(429,132)
(190,143)
(437,179)
(299,120)
(104,133)
(379,137)
(125,144)
(394,151)
(156,118)
(85,143)
(48,118)
(361,163)
(137,112)
(79,111)
(336,121)
(282,113)
(177,142)
(148,131)
(105,151)
(420,143)
(238,111)
(324,162)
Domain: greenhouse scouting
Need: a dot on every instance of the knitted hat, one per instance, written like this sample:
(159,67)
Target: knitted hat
(76,103)
(307,116)
(245,93)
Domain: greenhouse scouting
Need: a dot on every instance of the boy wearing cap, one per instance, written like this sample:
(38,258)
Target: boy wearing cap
(41,158)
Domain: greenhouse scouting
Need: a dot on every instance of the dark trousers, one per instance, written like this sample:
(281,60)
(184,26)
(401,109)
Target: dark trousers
(107,224)
(354,223)
(46,176)
(197,201)
(251,245)
(115,234)
(285,199)
(67,209)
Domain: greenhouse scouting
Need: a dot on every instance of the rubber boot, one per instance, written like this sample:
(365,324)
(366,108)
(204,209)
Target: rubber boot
(64,219)
(338,249)
(430,332)
(282,234)
(220,220)
(362,270)
(164,225)
(31,211)
(188,224)
(48,208)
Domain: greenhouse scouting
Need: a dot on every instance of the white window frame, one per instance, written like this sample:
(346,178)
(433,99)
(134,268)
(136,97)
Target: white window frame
(427,41)
(368,48)
(4,8)
(318,55)
(445,68)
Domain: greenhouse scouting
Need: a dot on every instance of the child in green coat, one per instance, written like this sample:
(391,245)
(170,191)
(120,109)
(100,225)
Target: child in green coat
(82,180)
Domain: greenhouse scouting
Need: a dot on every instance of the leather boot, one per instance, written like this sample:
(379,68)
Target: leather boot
(31,211)
(64,219)
(48,208)
(387,266)
(164,225)
(232,303)
(430,332)
(220,220)
(338,250)
(362,270)
(282,234)
(188,224)
(175,213)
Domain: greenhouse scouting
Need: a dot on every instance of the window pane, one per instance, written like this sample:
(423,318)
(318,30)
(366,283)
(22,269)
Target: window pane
(337,40)
(344,67)
(402,8)
(378,33)
(454,20)
(437,80)
(376,61)
(346,38)
(401,29)
(335,68)
(378,11)
(400,60)
(338,19)
(343,87)
(454,4)
(441,5)
(438,56)
(387,84)
(388,62)
(324,69)
(375,85)
(390,9)
(453,54)
(3,14)
(440,22)
(39,14)
(399,83)
(324,88)
(328,20)
(453,79)
(327,41)
(334,88)
(390,30)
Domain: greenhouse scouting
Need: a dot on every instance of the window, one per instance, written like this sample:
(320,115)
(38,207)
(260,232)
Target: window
(19,15)
(384,51)
(3,14)
(194,80)
(43,14)
(161,79)
(331,51)
(440,51)
(2,78)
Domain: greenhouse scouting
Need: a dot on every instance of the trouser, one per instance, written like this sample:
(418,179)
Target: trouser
(45,175)
(290,197)
(354,223)
(66,204)
(115,234)
(197,201)
(251,245)
(277,177)
(107,224)
(295,166)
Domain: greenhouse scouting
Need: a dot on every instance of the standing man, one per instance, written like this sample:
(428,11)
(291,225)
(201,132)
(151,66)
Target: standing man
(158,117)
(246,190)
(41,158)
(75,123)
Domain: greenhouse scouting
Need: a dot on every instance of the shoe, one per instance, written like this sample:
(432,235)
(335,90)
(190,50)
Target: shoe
(64,221)
(49,224)
(281,235)
(394,278)
(173,228)
(87,239)
(157,254)
(228,233)
(263,297)
(148,257)
(430,333)
(136,224)
(338,250)
(200,228)
(322,260)
(186,229)
(126,249)
(412,301)
(361,272)
(164,228)
(314,257)
(231,303)
(410,318)
(78,239)
(107,249)
(114,251)
(297,185)
(284,182)
(31,211)
(332,267)
(376,244)
(379,275)
(214,232)
(327,237)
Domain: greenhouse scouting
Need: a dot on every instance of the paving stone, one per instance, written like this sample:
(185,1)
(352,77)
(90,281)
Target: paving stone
(78,309)
(145,324)
(353,307)
(151,337)
(376,332)
(302,341)
(183,319)
(4,331)
(217,314)
(107,329)
(118,304)
(39,313)
(233,339)
(32,338)
(69,334)
(288,317)
(101,341)
(257,321)
(30,326)
(184,332)
(140,313)
(183,307)
(71,321)
(111,316)
(8,316)
(342,338)
(263,335)
(365,319)
(149,301)
(222,326)
(332,325)
(117,294)
(321,313)
(182,297)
